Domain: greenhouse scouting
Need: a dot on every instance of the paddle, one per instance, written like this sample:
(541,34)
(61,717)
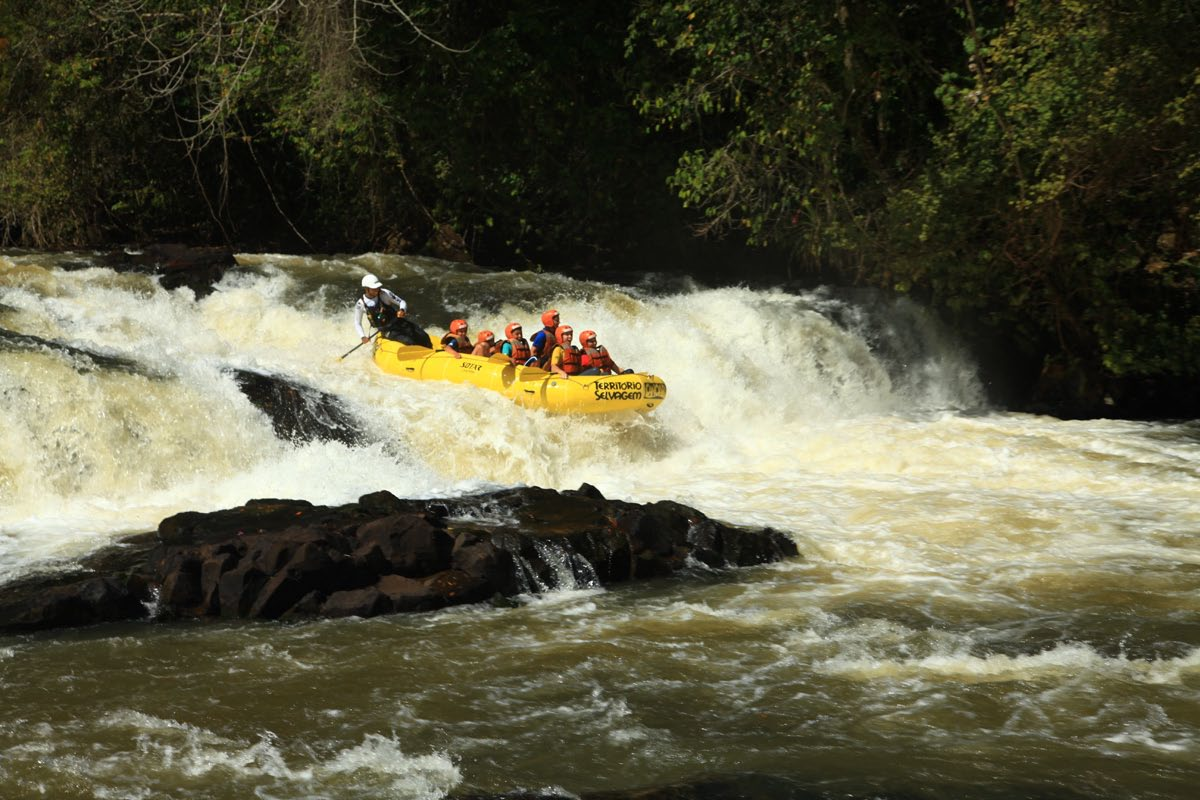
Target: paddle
(360,344)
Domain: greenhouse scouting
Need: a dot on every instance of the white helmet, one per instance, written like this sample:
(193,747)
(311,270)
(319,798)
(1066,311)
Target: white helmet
(371,282)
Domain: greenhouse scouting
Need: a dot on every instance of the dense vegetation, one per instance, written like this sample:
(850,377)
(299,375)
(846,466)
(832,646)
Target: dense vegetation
(1031,168)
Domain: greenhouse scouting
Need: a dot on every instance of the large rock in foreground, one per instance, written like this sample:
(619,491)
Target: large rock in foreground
(284,559)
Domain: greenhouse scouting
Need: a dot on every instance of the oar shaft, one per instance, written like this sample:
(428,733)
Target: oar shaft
(360,344)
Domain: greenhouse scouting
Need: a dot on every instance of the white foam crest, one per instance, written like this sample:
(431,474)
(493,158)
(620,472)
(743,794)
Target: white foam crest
(1071,662)
(1144,738)
(376,767)
(278,658)
(564,603)
(380,762)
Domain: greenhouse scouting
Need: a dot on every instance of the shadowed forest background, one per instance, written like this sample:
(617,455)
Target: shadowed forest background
(1030,170)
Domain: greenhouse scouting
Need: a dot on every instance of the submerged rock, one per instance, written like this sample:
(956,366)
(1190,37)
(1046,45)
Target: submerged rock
(81,358)
(198,268)
(299,413)
(287,559)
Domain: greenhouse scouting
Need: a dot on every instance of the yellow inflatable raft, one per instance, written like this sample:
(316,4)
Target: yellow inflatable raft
(527,386)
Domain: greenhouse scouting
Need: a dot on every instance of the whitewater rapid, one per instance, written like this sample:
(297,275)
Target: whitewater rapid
(984,602)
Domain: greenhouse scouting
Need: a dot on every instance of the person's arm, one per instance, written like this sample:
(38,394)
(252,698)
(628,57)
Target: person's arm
(450,345)
(359,310)
(615,369)
(507,349)
(394,300)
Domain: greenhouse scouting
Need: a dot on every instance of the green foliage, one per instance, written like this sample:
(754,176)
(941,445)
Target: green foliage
(526,142)
(82,160)
(799,114)
(355,125)
(1031,167)
(1061,198)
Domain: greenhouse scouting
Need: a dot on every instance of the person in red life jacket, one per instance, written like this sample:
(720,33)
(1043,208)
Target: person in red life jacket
(566,358)
(594,358)
(456,342)
(485,344)
(542,343)
(516,346)
(381,306)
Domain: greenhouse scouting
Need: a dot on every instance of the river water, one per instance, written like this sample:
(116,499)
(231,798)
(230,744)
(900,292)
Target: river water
(987,604)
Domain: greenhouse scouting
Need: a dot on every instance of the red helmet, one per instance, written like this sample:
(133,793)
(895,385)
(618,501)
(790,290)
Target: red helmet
(587,336)
(562,332)
(485,336)
(512,326)
(548,317)
(458,326)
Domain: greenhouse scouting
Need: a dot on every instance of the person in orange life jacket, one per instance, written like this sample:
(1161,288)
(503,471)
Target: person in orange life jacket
(485,344)
(565,359)
(456,342)
(516,347)
(378,304)
(542,343)
(594,358)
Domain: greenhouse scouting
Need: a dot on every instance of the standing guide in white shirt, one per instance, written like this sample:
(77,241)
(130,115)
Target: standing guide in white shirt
(376,303)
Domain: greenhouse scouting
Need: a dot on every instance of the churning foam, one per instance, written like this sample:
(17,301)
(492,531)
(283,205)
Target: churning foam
(854,424)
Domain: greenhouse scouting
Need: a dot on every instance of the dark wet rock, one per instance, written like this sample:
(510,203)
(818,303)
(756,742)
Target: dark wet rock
(365,602)
(289,559)
(83,602)
(82,359)
(198,268)
(299,413)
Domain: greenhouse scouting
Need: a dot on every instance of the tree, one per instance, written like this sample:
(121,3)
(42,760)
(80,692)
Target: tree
(1062,198)
(336,123)
(802,114)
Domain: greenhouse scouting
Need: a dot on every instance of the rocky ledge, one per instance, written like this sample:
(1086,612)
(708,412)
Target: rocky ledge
(289,559)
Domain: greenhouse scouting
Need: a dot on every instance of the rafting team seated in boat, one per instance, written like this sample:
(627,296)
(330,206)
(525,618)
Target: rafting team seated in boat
(591,359)
(551,348)
(564,358)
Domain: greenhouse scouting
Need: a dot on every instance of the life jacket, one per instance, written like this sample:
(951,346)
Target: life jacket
(378,313)
(547,347)
(461,343)
(572,362)
(597,358)
(520,349)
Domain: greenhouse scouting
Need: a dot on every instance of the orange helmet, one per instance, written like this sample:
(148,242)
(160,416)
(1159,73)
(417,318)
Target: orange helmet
(548,317)
(512,326)
(562,332)
(485,336)
(458,326)
(587,336)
